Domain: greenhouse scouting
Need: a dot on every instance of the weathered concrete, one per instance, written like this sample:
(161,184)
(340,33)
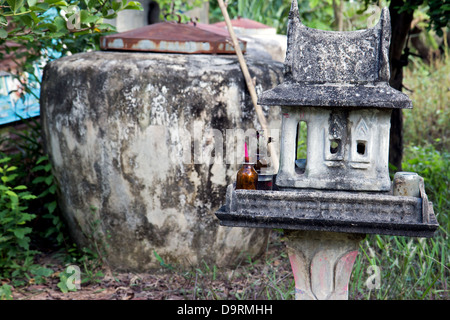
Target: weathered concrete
(407,184)
(322,263)
(336,69)
(346,149)
(330,211)
(338,83)
(121,129)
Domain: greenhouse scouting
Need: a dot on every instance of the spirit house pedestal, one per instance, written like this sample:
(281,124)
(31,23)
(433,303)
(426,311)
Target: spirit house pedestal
(327,199)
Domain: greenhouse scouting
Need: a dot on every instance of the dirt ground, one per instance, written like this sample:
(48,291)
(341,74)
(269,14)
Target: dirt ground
(244,282)
(122,286)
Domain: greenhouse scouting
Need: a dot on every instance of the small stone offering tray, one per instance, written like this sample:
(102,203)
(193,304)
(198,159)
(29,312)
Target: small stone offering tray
(335,211)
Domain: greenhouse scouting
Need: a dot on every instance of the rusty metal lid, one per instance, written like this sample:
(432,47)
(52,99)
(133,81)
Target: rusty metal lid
(172,37)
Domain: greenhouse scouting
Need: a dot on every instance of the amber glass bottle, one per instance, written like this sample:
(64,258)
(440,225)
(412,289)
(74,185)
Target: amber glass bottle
(247,177)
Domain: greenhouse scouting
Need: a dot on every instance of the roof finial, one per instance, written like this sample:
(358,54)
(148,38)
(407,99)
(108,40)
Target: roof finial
(293,13)
(294,5)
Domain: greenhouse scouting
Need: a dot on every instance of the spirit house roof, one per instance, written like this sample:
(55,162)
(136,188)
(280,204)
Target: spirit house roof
(336,69)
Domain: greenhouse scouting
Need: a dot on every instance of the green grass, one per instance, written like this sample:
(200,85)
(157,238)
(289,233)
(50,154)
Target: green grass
(268,277)
(428,121)
(416,268)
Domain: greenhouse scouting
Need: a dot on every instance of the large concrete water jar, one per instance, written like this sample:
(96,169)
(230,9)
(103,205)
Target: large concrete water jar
(127,134)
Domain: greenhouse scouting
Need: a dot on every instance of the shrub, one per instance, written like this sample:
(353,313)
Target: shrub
(15,253)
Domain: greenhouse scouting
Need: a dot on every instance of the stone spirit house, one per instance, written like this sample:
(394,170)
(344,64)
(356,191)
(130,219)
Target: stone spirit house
(338,83)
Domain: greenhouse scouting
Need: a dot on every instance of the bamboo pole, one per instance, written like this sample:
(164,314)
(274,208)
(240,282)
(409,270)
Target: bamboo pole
(250,85)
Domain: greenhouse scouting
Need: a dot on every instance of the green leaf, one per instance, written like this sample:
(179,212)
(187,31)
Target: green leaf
(24,243)
(15,5)
(27,217)
(3,21)
(6,292)
(3,33)
(31,2)
(50,26)
(38,180)
(28,197)
(5,159)
(52,1)
(12,4)
(48,167)
(38,168)
(42,272)
(111,16)
(52,189)
(105,26)
(60,24)
(51,206)
(61,4)
(27,20)
(91,4)
(44,158)
(313,3)
(12,195)
(49,180)
(39,7)
(21,232)
(86,17)
(4,239)
(133,5)
(62,286)
(116,6)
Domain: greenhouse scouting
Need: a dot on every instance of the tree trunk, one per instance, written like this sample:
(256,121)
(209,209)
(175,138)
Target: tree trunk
(401,24)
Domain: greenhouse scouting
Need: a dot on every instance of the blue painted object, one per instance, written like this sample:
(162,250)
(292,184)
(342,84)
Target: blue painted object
(13,108)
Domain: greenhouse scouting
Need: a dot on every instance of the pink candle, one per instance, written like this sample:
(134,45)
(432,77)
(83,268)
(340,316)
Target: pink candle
(247,159)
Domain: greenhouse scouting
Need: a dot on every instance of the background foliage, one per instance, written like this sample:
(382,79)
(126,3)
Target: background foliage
(37,31)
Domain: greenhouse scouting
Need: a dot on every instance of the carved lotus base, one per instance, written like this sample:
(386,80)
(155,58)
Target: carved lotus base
(322,263)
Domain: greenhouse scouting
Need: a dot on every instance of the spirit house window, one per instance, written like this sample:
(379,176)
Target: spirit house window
(361,147)
(335,135)
(335,146)
(301,147)
(361,138)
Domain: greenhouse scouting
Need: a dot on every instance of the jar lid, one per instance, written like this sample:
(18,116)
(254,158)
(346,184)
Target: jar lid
(173,37)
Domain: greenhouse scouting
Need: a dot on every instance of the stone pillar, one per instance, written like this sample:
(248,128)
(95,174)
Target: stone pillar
(322,263)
